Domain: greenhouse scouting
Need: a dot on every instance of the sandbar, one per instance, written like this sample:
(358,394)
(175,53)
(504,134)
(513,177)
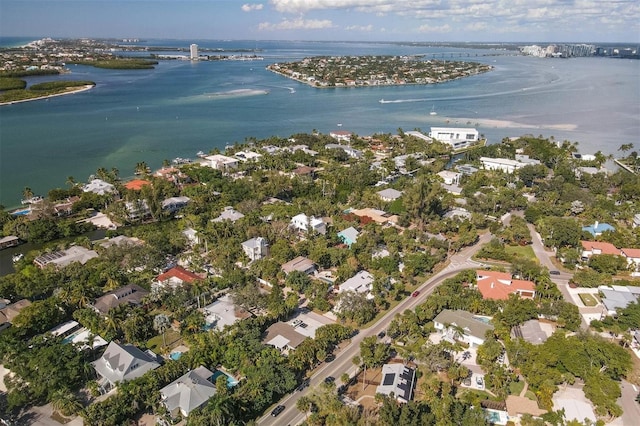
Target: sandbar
(507,124)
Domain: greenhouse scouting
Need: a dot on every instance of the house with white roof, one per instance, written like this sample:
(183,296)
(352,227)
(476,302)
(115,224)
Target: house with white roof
(100,187)
(223,312)
(188,392)
(256,248)
(399,380)
(349,236)
(362,282)
(617,297)
(389,194)
(62,258)
(247,156)
(221,162)
(636,220)
(351,152)
(457,138)
(228,213)
(120,363)
(505,164)
(341,135)
(304,223)
(173,204)
(449,177)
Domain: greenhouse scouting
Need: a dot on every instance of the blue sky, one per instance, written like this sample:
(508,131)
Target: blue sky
(356,20)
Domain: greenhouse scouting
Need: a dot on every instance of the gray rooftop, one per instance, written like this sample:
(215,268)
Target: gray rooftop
(466,320)
(189,391)
(120,363)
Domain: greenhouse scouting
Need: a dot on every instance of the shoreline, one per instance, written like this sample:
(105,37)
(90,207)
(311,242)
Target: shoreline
(78,90)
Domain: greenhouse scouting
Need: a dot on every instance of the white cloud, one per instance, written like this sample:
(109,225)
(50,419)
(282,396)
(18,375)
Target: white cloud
(251,7)
(366,28)
(434,29)
(296,24)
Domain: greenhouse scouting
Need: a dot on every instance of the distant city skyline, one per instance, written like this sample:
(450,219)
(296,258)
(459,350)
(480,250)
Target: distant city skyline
(328,20)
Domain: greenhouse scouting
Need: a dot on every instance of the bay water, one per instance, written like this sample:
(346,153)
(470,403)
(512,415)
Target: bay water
(182,107)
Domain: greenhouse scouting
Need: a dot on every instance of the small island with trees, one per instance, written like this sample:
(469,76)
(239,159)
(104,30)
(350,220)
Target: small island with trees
(359,71)
(14,90)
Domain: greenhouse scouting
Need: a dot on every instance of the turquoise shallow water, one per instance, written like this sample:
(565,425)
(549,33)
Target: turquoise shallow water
(183,107)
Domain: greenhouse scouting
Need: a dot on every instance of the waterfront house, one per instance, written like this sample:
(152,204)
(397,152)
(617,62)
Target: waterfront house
(598,228)
(499,285)
(121,241)
(120,363)
(467,169)
(459,325)
(100,187)
(255,248)
(188,392)
(301,264)
(247,156)
(136,184)
(129,294)
(221,162)
(349,236)
(457,138)
(62,258)
(449,177)
(397,380)
(341,135)
(505,165)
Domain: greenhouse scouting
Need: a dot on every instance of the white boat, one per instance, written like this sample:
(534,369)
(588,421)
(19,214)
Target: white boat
(381,101)
(32,200)
(433,111)
(17,257)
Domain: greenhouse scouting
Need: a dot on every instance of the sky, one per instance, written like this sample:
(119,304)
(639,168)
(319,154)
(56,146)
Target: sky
(328,20)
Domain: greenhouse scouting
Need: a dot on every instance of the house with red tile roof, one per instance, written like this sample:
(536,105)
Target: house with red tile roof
(174,278)
(589,248)
(136,184)
(499,285)
(633,257)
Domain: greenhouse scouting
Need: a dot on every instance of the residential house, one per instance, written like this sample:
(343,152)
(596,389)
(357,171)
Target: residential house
(531,331)
(351,152)
(349,236)
(137,210)
(378,216)
(389,194)
(633,257)
(303,148)
(459,325)
(598,228)
(129,294)
(121,241)
(303,223)
(362,283)
(247,156)
(62,258)
(229,213)
(191,235)
(636,220)
(617,297)
(174,278)
(221,162)
(223,312)
(341,135)
(301,264)
(449,177)
(173,204)
(136,184)
(457,138)
(283,337)
(9,312)
(65,208)
(505,164)
(100,187)
(188,392)
(590,248)
(399,380)
(305,171)
(499,285)
(120,363)
(255,248)
(467,169)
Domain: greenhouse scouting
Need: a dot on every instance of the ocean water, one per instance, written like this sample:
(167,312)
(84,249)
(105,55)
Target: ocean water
(182,107)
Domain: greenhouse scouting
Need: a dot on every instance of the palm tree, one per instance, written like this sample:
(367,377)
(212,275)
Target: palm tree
(27,193)
(161,323)
(71,181)
(65,402)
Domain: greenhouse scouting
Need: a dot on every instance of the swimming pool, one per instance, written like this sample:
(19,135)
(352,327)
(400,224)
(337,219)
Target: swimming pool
(175,355)
(231,382)
(22,212)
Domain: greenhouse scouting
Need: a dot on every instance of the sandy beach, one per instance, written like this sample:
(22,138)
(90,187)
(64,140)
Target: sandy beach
(78,90)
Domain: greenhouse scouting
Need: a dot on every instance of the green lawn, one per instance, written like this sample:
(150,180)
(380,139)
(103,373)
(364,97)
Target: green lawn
(588,299)
(155,343)
(515,388)
(522,251)
(530,395)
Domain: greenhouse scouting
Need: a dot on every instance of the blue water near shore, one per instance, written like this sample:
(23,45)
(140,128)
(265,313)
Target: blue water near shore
(183,107)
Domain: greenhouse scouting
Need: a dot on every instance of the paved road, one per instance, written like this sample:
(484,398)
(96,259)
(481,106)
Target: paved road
(631,408)
(343,364)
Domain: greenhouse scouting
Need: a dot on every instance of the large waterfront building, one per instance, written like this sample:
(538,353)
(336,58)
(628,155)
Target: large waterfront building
(458,138)
(193,49)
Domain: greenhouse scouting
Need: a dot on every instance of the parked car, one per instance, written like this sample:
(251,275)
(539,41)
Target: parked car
(330,379)
(554,272)
(479,383)
(382,334)
(415,293)
(467,381)
(303,385)
(279,409)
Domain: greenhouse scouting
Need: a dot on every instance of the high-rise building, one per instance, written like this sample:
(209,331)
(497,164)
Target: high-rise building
(194,51)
